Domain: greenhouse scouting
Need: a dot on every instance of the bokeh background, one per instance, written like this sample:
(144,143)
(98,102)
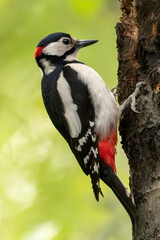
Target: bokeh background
(44,195)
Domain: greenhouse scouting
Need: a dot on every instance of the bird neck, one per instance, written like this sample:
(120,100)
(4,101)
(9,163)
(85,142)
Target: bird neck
(49,63)
(46,65)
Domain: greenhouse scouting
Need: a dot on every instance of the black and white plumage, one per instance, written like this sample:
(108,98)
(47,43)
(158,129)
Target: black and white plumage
(77,100)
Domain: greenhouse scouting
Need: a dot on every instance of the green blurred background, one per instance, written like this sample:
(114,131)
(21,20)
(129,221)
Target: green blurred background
(44,195)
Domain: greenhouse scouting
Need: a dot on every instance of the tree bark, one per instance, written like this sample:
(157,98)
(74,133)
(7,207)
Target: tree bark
(138,43)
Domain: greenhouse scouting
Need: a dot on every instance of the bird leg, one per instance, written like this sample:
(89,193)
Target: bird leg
(114,92)
(132,99)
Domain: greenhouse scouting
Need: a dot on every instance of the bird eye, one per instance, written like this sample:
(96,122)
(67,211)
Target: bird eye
(66,41)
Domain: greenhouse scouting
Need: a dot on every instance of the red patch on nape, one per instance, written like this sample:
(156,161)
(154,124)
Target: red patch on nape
(38,52)
(107,149)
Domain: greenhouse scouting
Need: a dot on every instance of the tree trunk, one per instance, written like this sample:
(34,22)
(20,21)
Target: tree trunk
(138,43)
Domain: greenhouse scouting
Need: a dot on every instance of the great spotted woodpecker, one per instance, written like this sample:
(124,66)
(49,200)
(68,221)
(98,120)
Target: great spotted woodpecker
(79,104)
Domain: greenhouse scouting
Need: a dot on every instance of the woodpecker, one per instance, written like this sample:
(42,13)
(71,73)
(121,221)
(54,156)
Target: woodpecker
(79,104)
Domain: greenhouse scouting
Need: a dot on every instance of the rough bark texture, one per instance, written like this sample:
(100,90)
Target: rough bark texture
(138,43)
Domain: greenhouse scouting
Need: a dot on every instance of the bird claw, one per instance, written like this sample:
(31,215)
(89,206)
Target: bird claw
(132,98)
(114,92)
(134,95)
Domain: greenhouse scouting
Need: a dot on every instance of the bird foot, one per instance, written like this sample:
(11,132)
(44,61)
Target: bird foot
(132,99)
(114,92)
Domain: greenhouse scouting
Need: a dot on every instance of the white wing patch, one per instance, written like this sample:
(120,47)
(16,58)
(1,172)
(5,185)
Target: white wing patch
(95,168)
(91,151)
(70,109)
(86,159)
(83,140)
(106,110)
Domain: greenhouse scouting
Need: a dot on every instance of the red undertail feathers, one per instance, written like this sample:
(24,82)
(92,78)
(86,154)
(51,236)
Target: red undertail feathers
(107,149)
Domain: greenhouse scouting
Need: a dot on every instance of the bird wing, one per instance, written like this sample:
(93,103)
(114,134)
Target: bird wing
(68,102)
(83,140)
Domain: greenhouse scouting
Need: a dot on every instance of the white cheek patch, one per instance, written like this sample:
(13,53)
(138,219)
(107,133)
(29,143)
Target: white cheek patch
(56,48)
(70,109)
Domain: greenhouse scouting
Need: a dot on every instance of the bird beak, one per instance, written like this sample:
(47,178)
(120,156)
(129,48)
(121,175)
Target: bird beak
(84,43)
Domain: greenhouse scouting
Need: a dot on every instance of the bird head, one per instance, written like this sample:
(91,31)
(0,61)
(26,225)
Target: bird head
(58,47)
